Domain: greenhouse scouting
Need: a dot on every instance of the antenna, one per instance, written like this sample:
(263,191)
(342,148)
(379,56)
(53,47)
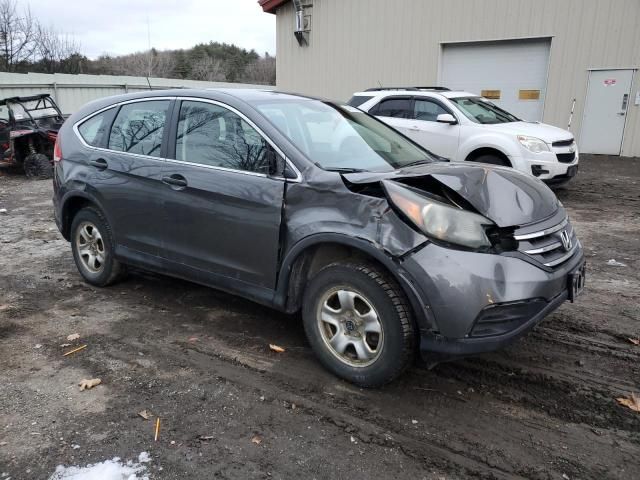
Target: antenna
(150,53)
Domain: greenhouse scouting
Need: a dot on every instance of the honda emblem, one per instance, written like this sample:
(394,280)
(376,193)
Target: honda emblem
(566,240)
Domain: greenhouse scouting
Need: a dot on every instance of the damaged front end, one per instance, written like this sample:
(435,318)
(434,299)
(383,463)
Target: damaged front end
(458,235)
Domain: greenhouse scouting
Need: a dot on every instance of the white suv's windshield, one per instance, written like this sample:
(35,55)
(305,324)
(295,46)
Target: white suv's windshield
(341,138)
(480,110)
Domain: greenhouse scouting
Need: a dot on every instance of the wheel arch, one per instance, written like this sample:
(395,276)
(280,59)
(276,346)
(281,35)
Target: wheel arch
(488,151)
(310,254)
(72,203)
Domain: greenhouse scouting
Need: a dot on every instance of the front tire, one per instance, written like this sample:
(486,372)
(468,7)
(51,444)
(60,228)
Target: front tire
(93,248)
(359,323)
(38,166)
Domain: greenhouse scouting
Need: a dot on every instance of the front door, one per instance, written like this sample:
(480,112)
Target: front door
(605,111)
(440,138)
(222,209)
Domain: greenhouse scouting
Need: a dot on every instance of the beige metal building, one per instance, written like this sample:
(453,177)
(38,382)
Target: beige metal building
(540,59)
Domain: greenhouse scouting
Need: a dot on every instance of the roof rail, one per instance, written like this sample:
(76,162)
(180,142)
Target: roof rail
(442,89)
(411,89)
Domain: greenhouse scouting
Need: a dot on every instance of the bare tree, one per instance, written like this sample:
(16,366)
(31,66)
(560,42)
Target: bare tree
(17,35)
(53,48)
(261,71)
(163,64)
(140,64)
(208,69)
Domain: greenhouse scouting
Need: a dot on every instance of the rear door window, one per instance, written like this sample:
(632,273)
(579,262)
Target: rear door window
(209,134)
(399,107)
(94,129)
(139,128)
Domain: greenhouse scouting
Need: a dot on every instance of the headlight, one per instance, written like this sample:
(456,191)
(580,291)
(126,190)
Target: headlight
(438,220)
(533,144)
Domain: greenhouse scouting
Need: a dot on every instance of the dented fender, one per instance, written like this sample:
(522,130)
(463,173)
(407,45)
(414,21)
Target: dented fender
(311,210)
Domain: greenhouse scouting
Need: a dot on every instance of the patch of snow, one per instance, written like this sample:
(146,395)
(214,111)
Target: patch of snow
(114,469)
(614,263)
(144,457)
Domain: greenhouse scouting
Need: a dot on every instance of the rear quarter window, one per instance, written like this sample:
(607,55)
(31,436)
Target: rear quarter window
(358,100)
(93,130)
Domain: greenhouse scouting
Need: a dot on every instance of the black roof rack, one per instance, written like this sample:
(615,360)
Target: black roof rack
(411,89)
(24,99)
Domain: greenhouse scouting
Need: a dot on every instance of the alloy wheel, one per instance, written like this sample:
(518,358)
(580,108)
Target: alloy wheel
(350,327)
(90,245)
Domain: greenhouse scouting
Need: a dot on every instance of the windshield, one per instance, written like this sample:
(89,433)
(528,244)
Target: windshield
(481,110)
(341,138)
(39,108)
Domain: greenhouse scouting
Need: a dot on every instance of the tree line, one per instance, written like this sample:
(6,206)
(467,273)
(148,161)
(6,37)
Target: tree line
(26,45)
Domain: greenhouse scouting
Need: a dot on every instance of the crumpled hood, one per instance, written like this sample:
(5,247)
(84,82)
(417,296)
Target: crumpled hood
(507,197)
(544,132)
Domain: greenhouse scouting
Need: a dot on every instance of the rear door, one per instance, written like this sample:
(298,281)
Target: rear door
(222,209)
(396,111)
(125,170)
(440,138)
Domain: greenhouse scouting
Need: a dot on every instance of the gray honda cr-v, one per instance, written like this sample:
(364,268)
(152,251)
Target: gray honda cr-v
(305,205)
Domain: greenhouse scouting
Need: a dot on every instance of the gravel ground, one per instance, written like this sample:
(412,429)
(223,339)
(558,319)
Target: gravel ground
(198,359)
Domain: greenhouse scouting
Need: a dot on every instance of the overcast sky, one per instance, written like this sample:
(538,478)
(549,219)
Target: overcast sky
(120,26)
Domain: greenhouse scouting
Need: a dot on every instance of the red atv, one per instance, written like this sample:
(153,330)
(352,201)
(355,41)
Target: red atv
(28,134)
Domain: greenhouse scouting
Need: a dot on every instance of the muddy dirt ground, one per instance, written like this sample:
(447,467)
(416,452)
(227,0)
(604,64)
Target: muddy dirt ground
(544,408)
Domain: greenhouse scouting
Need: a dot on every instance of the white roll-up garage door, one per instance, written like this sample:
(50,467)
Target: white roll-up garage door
(512,73)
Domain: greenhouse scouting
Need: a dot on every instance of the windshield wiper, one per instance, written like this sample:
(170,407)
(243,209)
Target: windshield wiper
(417,162)
(345,170)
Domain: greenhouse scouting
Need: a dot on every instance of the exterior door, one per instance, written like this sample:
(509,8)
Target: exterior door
(605,111)
(512,73)
(223,211)
(439,138)
(396,112)
(127,173)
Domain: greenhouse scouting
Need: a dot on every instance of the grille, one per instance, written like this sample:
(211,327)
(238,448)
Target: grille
(548,247)
(563,143)
(566,157)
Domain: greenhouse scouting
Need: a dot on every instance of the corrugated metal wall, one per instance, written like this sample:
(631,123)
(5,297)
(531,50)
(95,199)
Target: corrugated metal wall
(355,44)
(73,91)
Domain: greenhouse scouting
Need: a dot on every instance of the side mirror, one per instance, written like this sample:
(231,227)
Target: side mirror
(446,118)
(274,163)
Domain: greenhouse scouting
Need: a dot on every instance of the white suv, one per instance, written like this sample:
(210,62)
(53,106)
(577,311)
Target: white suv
(463,126)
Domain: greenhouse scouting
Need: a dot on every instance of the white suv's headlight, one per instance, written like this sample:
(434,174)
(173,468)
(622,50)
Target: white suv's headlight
(438,220)
(533,144)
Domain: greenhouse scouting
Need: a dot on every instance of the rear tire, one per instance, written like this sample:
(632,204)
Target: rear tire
(359,323)
(492,160)
(38,166)
(93,248)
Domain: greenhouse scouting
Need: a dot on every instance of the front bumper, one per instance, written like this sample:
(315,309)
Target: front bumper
(546,165)
(482,302)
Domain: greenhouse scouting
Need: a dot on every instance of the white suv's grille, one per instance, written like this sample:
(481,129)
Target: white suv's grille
(550,247)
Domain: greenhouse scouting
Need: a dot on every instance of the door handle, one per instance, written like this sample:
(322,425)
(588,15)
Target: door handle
(99,163)
(413,128)
(175,180)
(622,113)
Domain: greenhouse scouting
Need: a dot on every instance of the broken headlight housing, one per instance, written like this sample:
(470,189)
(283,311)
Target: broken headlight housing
(439,220)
